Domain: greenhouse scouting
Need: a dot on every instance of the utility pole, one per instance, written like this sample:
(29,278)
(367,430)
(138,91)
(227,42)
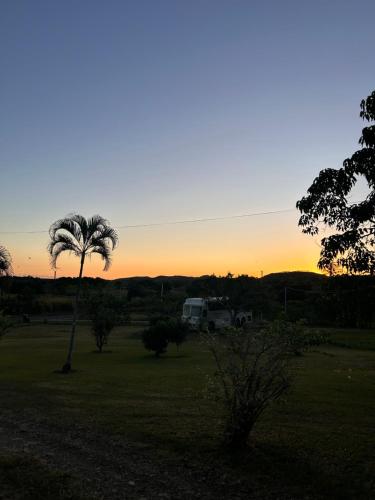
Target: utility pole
(162,291)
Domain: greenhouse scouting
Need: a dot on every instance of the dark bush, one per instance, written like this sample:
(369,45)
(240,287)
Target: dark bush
(105,313)
(103,322)
(155,338)
(163,331)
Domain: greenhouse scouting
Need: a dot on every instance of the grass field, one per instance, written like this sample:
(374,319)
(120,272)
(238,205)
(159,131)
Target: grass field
(320,438)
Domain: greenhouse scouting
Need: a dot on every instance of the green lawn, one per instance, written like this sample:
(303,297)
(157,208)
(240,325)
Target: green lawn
(321,436)
(361,339)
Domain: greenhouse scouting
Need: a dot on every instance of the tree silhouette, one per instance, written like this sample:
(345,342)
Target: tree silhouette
(5,262)
(352,244)
(82,237)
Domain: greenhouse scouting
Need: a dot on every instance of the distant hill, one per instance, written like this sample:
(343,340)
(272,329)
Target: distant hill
(296,279)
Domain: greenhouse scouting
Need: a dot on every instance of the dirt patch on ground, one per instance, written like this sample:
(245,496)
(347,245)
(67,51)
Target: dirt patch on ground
(109,467)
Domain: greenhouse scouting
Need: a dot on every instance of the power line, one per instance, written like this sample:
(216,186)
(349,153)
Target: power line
(206,219)
(169,223)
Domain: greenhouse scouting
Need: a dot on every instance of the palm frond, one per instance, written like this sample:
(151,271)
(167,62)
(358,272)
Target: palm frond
(110,234)
(82,237)
(67,224)
(80,222)
(67,239)
(96,222)
(106,234)
(99,228)
(5,262)
(105,253)
(59,248)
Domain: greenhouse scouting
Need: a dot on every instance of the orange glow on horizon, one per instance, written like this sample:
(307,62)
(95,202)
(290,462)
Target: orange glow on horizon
(240,248)
(170,264)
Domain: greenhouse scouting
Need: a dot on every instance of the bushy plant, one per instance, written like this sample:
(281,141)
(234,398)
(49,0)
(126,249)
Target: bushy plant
(297,336)
(155,338)
(104,312)
(251,373)
(294,334)
(102,323)
(163,331)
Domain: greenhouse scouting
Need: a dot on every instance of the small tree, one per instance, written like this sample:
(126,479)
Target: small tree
(251,373)
(352,245)
(105,312)
(156,339)
(103,322)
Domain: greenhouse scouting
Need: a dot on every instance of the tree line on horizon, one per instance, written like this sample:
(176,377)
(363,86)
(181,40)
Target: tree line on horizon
(338,301)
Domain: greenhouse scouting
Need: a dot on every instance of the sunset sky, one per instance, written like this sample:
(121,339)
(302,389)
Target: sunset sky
(160,111)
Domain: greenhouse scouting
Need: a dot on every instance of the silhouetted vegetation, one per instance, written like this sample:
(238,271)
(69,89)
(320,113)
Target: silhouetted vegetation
(82,237)
(155,338)
(251,372)
(163,331)
(351,247)
(105,311)
(339,301)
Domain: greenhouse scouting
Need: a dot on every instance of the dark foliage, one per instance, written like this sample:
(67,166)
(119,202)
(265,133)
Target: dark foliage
(155,338)
(163,331)
(103,323)
(105,311)
(351,246)
(339,301)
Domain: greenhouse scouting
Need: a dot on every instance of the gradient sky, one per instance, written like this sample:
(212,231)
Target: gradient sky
(152,111)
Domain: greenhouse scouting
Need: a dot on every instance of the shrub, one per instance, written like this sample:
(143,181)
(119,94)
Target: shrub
(162,331)
(104,313)
(103,323)
(293,334)
(155,338)
(251,373)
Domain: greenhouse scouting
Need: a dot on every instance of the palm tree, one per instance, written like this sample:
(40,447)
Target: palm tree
(82,237)
(5,262)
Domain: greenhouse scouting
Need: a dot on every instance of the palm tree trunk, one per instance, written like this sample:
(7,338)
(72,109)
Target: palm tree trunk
(68,363)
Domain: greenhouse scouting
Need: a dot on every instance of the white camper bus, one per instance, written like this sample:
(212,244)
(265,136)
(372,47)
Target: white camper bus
(211,313)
